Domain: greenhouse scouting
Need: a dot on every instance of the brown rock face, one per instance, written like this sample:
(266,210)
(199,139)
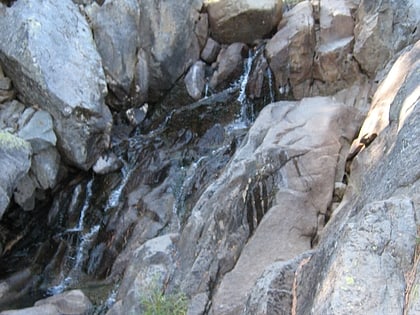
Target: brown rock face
(290,51)
(244,20)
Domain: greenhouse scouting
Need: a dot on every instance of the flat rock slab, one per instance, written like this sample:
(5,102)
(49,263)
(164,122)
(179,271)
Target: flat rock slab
(307,134)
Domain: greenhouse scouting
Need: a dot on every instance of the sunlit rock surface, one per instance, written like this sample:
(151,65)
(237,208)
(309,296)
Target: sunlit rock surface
(47,49)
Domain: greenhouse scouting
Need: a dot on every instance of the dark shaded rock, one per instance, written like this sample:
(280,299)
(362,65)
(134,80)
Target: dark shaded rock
(210,51)
(115,26)
(230,63)
(167,33)
(53,63)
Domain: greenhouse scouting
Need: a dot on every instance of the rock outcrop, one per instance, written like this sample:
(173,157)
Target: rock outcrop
(369,247)
(263,195)
(47,50)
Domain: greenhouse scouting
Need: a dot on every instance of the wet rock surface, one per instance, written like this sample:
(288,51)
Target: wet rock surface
(205,190)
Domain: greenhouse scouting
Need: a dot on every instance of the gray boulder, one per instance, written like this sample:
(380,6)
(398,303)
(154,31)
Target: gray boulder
(15,161)
(47,49)
(195,80)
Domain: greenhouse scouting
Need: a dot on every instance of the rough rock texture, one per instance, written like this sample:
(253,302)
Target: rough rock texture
(382,29)
(6,91)
(334,64)
(36,127)
(47,49)
(15,161)
(273,291)
(250,20)
(115,25)
(306,138)
(276,169)
(154,262)
(369,248)
(72,302)
(168,41)
(290,51)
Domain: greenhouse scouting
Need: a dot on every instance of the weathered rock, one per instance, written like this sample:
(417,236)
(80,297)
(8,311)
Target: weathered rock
(115,25)
(230,65)
(72,302)
(336,21)
(256,78)
(242,21)
(107,163)
(368,247)
(382,29)
(15,161)
(202,29)
(305,152)
(39,131)
(334,65)
(379,241)
(63,77)
(195,80)
(136,115)
(290,51)
(274,285)
(45,167)
(149,269)
(210,51)
(269,175)
(24,193)
(10,114)
(168,38)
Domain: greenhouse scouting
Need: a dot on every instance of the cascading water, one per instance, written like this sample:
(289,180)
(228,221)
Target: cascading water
(173,161)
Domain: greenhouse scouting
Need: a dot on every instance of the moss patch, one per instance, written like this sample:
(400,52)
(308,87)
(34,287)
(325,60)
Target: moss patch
(9,141)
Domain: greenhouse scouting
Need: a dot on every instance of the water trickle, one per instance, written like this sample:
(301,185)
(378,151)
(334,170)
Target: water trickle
(80,224)
(246,114)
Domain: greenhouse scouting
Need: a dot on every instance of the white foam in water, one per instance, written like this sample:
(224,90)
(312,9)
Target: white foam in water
(80,225)
(85,240)
(115,196)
